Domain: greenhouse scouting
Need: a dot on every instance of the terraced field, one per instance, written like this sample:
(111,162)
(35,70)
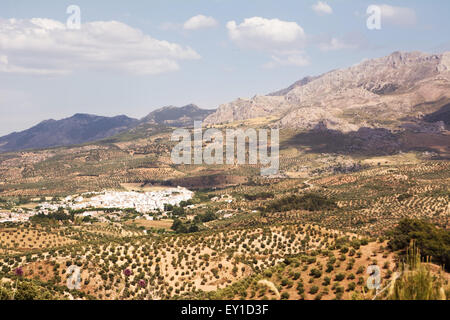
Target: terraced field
(311,232)
(176,266)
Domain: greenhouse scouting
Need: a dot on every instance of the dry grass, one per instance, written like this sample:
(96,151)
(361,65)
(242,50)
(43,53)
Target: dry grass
(157,224)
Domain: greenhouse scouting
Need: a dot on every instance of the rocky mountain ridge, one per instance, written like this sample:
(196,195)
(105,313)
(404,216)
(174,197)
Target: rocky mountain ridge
(375,93)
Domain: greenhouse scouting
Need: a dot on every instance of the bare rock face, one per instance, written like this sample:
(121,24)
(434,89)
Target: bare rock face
(317,120)
(371,94)
(242,109)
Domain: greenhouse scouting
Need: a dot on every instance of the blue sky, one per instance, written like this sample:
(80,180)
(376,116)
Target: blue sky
(155,55)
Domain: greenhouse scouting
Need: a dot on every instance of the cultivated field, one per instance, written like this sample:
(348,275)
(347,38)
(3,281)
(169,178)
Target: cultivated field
(311,232)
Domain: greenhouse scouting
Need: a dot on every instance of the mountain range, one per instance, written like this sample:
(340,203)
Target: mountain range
(82,128)
(378,93)
(405,90)
(177,116)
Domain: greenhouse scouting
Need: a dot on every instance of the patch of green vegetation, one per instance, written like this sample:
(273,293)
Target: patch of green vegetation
(206,217)
(259,196)
(416,281)
(184,227)
(404,197)
(193,226)
(309,202)
(432,242)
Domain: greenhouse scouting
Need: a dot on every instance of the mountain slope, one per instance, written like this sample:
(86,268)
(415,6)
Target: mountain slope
(374,93)
(177,116)
(299,83)
(82,128)
(443,114)
(79,128)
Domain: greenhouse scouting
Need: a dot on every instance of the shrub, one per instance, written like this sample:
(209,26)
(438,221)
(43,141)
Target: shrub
(284,296)
(339,277)
(431,241)
(316,273)
(313,289)
(416,281)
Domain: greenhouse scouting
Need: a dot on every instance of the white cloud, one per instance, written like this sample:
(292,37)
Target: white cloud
(48,47)
(296,58)
(322,8)
(349,41)
(199,22)
(336,44)
(261,33)
(283,40)
(398,15)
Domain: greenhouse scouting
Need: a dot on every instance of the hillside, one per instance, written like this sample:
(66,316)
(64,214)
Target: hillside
(77,129)
(375,93)
(177,117)
(443,114)
(82,128)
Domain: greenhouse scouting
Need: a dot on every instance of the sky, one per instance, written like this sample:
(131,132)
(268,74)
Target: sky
(132,57)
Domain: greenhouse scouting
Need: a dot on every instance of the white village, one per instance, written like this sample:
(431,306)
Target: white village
(141,202)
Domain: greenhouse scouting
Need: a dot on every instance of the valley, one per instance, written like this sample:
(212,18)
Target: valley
(351,195)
